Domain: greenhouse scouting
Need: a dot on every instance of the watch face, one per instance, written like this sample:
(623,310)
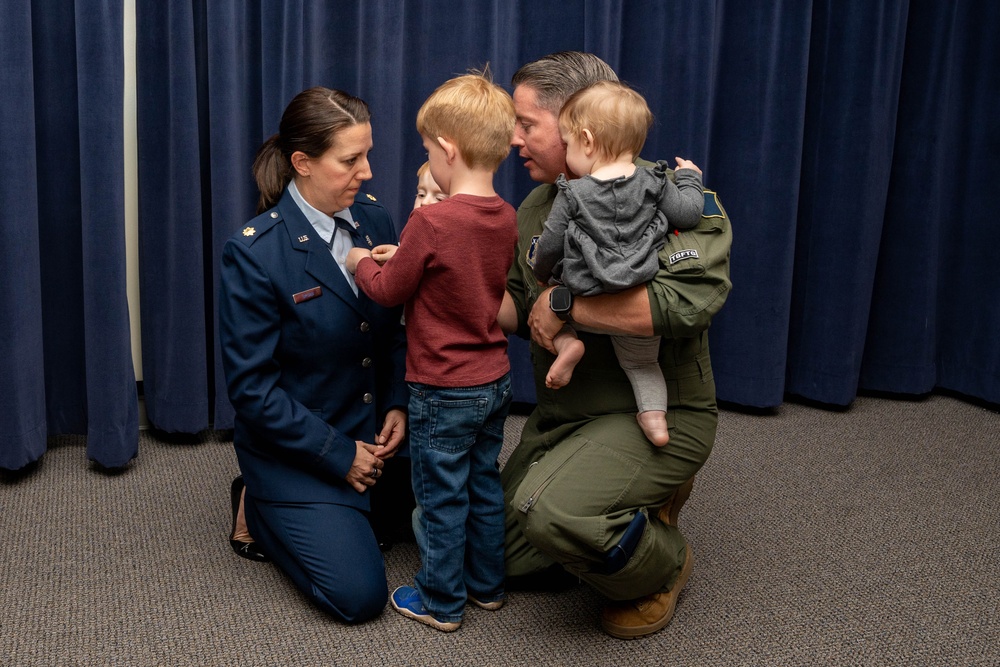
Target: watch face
(560,300)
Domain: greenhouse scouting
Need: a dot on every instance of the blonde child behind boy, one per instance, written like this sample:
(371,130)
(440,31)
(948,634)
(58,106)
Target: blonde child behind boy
(428,191)
(450,270)
(616,216)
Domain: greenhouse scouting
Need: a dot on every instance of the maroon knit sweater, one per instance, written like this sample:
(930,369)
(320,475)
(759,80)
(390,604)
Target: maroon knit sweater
(451,271)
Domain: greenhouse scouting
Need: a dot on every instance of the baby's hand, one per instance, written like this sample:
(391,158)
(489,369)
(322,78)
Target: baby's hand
(383,253)
(354,256)
(686,164)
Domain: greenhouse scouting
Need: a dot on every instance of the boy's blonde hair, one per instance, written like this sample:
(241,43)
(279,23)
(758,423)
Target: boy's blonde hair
(475,114)
(616,115)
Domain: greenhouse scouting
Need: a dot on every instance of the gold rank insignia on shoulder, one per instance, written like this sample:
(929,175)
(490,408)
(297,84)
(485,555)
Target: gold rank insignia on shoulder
(249,231)
(370,197)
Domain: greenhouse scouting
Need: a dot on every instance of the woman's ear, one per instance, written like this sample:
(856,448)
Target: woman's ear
(450,149)
(300,163)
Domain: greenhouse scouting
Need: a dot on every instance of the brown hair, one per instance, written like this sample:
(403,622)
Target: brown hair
(309,124)
(558,75)
(616,115)
(475,114)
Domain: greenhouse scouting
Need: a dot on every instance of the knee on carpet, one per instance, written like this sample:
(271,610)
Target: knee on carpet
(355,601)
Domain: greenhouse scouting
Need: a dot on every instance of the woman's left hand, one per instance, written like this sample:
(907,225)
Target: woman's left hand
(391,436)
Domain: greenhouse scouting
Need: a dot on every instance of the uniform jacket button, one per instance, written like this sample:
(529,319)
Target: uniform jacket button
(367,398)
(366,362)
(365,327)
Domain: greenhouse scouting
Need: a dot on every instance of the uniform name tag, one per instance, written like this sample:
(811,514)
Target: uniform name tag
(690,253)
(308,294)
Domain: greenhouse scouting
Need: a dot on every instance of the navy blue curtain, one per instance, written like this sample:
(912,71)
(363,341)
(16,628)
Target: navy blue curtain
(66,364)
(852,144)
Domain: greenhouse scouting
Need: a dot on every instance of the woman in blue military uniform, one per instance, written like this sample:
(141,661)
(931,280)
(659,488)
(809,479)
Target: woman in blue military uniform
(313,367)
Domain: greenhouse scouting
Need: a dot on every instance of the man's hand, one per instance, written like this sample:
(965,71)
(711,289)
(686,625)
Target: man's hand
(391,436)
(543,322)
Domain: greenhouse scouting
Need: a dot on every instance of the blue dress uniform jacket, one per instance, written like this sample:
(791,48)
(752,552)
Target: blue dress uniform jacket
(310,367)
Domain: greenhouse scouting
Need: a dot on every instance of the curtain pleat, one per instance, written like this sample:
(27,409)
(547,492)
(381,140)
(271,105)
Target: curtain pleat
(853,91)
(111,399)
(23,425)
(173,142)
(938,320)
(66,366)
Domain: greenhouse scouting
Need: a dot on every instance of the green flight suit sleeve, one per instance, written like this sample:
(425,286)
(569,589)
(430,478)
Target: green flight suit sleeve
(693,281)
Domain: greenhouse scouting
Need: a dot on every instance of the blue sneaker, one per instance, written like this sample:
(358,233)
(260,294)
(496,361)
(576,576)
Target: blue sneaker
(406,600)
(492,605)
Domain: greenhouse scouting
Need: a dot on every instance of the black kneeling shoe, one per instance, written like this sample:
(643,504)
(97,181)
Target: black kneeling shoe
(248,550)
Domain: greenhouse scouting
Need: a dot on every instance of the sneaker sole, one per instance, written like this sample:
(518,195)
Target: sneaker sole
(488,606)
(443,626)
(637,631)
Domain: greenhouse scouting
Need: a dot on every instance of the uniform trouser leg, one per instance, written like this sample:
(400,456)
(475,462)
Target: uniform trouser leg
(573,491)
(329,551)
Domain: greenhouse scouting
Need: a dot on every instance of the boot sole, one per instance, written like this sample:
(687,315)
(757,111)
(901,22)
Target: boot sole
(637,631)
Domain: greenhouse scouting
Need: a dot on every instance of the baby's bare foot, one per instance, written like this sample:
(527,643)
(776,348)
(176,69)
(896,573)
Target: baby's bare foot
(654,425)
(561,370)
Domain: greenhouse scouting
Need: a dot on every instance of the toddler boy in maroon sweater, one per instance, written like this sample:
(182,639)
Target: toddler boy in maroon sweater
(450,271)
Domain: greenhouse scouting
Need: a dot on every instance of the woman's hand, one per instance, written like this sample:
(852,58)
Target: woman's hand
(391,436)
(355,255)
(383,253)
(366,469)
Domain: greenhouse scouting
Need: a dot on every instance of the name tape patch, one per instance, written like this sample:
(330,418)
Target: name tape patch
(681,255)
(308,294)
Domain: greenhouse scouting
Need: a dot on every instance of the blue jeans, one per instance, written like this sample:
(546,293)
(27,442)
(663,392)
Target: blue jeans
(455,439)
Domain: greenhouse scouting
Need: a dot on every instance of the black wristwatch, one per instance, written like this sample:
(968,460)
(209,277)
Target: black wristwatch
(560,302)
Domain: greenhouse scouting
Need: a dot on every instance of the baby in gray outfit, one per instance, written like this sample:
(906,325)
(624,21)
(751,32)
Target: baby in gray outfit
(607,226)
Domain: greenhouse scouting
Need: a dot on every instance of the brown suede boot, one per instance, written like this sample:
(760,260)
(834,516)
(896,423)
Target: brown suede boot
(643,616)
(670,510)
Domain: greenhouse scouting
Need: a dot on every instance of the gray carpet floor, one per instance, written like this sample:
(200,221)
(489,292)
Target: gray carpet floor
(862,537)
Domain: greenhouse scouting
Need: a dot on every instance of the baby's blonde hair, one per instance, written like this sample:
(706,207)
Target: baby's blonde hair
(616,115)
(423,169)
(475,114)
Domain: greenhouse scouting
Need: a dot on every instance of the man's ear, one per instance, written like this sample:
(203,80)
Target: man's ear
(587,142)
(300,163)
(450,149)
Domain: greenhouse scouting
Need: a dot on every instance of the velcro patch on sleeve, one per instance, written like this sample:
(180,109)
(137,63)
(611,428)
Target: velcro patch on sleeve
(713,209)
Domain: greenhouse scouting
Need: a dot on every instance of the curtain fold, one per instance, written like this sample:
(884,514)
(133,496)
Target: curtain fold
(111,398)
(66,366)
(172,147)
(937,280)
(23,427)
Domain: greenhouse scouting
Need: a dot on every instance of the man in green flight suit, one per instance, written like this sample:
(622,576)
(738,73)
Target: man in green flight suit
(585,490)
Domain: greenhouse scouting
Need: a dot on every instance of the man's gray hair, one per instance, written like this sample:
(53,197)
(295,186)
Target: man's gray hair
(558,75)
